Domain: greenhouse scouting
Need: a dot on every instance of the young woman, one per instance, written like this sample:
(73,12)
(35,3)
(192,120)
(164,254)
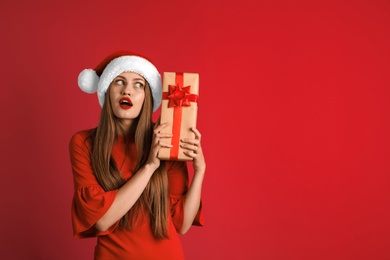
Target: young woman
(124,195)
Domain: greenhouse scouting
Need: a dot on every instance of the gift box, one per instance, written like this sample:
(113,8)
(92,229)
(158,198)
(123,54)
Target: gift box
(179,109)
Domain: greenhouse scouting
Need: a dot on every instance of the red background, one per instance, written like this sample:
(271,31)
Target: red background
(294,111)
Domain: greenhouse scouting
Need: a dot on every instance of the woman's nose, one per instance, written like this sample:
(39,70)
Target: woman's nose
(126,90)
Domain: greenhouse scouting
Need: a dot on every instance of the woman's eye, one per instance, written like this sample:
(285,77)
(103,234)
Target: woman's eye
(120,82)
(139,85)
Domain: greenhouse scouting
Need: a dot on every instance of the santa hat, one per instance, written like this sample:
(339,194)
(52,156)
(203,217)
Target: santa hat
(100,78)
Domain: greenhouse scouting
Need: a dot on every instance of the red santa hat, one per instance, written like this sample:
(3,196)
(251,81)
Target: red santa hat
(99,79)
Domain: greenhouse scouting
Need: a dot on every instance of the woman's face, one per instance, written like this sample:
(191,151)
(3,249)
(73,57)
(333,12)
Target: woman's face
(127,95)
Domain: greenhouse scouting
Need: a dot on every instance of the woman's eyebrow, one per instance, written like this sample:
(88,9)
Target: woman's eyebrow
(134,79)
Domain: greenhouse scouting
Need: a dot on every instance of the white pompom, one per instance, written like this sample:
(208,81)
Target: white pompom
(88,81)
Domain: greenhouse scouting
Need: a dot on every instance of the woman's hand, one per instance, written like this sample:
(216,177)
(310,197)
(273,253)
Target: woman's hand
(193,149)
(157,143)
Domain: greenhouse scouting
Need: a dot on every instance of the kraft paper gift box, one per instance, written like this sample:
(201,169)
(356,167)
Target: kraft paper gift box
(179,109)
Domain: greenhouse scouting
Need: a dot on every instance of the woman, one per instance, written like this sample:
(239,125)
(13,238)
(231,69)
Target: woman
(131,201)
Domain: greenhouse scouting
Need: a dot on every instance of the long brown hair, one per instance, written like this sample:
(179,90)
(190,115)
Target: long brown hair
(155,198)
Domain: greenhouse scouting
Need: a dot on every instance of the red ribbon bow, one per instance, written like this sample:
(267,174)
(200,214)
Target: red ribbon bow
(179,96)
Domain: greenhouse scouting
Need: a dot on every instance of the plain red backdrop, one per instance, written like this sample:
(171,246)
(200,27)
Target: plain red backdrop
(294,111)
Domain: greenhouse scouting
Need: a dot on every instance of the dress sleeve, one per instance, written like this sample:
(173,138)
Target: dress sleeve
(90,201)
(178,187)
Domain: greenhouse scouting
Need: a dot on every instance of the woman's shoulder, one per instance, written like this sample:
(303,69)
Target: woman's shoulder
(82,136)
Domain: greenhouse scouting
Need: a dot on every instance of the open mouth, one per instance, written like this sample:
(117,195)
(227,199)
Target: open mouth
(125,103)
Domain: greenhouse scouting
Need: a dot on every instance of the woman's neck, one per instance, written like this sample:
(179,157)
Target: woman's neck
(127,127)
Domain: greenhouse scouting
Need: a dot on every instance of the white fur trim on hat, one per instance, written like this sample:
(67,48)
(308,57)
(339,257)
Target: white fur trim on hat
(131,64)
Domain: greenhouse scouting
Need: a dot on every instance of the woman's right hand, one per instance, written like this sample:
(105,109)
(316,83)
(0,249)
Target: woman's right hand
(157,143)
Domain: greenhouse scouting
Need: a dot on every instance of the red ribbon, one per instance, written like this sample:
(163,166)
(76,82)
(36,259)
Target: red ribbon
(178,96)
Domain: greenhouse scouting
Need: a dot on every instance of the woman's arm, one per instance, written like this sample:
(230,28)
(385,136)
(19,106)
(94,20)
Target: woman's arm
(130,192)
(126,197)
(192,198)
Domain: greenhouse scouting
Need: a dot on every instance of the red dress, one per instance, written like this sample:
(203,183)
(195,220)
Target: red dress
(90,203)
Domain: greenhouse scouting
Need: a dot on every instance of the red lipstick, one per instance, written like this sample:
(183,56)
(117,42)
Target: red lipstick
(125,103)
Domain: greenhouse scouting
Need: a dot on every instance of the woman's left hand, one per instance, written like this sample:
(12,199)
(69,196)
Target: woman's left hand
(193,149)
